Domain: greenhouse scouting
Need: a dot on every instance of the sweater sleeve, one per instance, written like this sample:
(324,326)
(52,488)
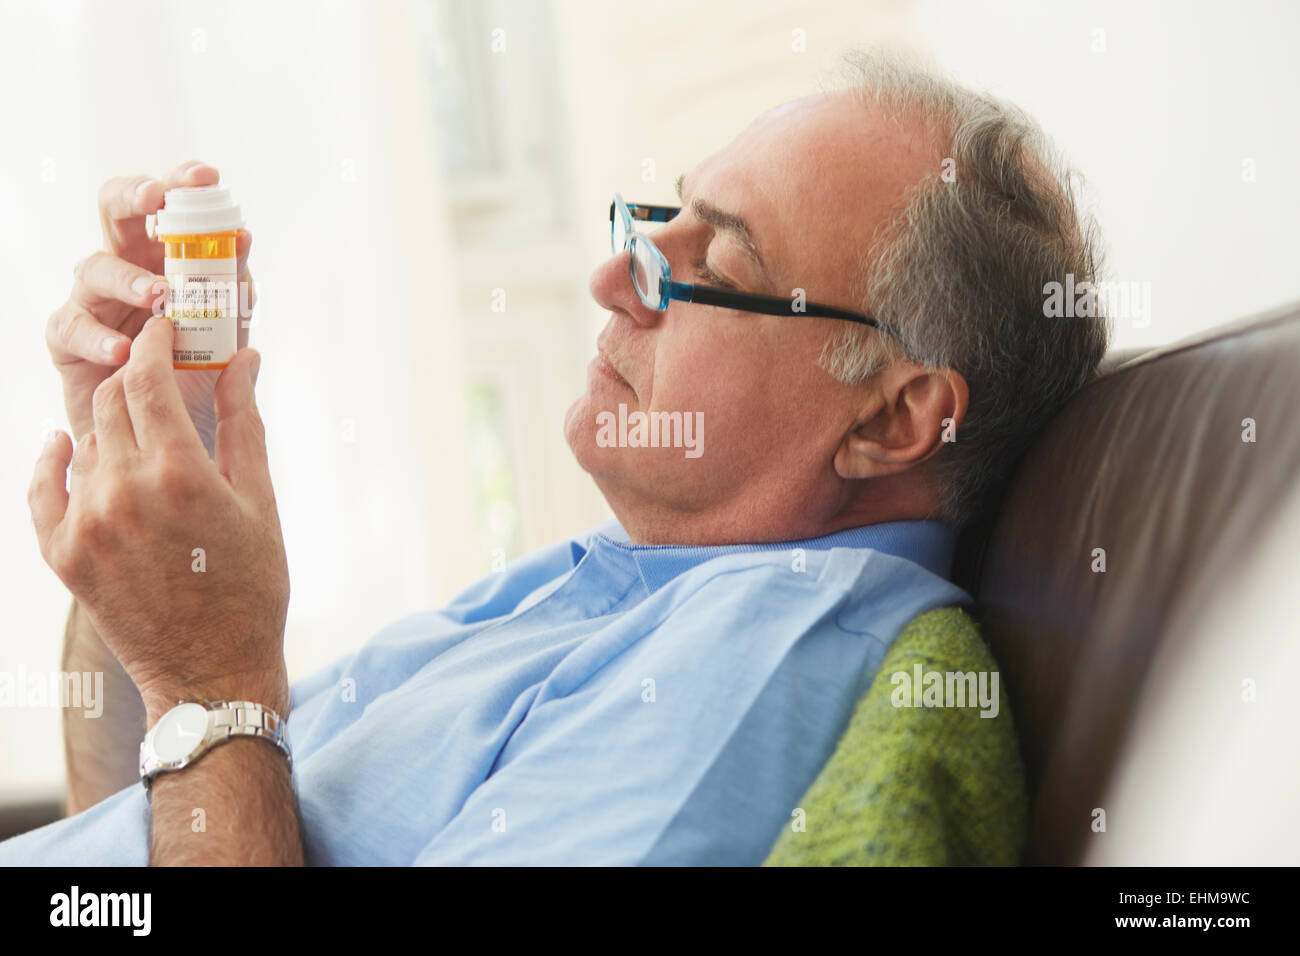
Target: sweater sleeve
(915,785)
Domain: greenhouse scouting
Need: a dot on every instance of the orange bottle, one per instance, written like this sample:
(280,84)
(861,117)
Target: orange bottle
(198,226)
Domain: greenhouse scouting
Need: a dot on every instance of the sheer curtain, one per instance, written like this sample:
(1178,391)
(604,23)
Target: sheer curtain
(319,117)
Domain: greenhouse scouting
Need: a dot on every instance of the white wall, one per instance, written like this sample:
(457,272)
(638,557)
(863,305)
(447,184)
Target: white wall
(1160,124)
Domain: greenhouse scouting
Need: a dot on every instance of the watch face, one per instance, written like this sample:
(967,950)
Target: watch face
(179,731)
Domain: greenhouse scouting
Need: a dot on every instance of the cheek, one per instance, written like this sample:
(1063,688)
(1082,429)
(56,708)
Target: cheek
(729,383)
(765,401)
(699,374)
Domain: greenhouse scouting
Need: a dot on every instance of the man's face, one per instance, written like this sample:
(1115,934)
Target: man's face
(812,180)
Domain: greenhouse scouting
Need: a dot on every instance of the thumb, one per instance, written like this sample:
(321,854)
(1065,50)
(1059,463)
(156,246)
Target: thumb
(241,437)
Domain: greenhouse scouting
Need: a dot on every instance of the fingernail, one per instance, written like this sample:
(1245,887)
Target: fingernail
(49,435)
(255,368)
(142,284)
(139,190)
(108,343)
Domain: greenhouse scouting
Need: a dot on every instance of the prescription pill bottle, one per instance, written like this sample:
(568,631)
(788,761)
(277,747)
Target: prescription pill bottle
(198,226)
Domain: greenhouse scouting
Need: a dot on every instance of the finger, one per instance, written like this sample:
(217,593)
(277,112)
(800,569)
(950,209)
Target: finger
(72,333)
(153,398)
(47,495)
(103,277)
(193,173)
(125,200)
(245,315)
(247,288)
(241,436)
(243,243)
(85,459)
(122,198)
(114,433)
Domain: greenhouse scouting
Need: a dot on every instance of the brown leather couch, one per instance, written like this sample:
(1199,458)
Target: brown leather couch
(1148,463)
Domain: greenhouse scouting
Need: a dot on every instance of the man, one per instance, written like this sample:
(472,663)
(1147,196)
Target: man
(664,688)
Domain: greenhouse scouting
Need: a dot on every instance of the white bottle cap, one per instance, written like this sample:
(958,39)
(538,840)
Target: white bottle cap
(192,210)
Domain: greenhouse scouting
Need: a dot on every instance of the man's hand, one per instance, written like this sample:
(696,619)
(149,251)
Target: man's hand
(89,336)
(177,559)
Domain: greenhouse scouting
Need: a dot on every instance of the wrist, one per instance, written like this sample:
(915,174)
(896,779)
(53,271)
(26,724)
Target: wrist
(268,688)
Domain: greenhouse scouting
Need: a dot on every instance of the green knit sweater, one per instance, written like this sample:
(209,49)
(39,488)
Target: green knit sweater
(916,786)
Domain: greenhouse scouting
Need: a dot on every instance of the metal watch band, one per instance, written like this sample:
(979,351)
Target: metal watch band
(233,718)
(229,719)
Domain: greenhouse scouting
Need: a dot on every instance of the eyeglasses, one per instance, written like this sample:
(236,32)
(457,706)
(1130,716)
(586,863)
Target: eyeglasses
(653,279)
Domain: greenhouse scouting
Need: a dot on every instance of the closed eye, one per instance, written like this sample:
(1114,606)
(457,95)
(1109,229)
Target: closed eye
(705,274)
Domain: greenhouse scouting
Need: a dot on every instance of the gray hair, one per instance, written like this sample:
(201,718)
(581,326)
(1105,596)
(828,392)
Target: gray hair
(959,273)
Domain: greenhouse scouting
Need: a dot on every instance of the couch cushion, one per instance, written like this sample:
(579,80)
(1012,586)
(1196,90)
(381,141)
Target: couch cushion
(1146,468)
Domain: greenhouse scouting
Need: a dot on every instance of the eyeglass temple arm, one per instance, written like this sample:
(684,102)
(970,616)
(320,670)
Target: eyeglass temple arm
(765,304)
(648,213)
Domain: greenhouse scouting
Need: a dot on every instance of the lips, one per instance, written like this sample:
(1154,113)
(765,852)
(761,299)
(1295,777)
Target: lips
(607,368)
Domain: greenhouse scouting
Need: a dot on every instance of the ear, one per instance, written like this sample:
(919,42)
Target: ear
(910,413)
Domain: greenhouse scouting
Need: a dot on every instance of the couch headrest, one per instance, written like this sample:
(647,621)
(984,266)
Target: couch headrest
(1146,470)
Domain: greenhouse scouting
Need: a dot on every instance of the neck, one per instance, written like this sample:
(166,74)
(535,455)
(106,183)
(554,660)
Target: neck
(655,522)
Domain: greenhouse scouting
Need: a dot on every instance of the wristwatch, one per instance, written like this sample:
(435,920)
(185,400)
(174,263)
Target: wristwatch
(192,728)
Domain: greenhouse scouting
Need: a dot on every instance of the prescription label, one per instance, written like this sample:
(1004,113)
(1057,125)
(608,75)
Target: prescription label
(203,304)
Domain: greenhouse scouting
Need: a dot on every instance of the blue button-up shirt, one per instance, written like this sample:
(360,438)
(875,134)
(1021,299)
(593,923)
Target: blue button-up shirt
(596,702)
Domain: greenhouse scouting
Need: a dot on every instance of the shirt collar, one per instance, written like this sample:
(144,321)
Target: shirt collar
(927,543)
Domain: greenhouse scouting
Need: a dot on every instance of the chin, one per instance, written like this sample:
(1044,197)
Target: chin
(580,433)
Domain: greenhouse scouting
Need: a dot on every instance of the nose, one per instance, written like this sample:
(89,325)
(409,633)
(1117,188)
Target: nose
(612,288)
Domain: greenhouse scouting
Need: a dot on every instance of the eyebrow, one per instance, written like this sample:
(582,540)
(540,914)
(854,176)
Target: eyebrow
(728,222)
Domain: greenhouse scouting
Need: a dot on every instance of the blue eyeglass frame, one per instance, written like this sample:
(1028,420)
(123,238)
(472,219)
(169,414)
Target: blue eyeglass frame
(703,294)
